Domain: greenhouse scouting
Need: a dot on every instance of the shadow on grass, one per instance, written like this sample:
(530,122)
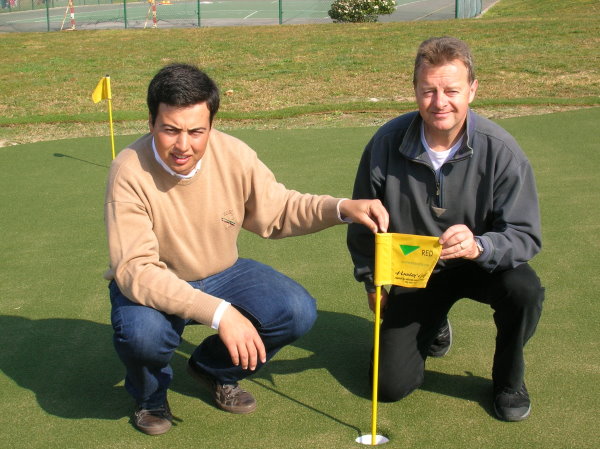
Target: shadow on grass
(468,387)
(69,364)
(308,406)
(71,367)
(80,160)
(341,343)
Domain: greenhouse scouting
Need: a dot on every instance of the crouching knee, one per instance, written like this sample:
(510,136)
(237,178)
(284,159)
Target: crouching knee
(298,317)
(394,387)
(151,345)
(395,392)
(524,290)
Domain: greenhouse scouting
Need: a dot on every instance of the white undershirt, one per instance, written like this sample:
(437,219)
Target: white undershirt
(168,169)
(438,158)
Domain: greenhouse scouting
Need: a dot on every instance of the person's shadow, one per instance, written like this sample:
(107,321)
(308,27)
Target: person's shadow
(341,343)
(71,367)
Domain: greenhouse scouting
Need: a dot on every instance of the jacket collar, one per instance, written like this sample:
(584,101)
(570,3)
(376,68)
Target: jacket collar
(412,148)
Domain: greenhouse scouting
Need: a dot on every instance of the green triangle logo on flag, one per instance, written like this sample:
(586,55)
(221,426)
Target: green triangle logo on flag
(407,249)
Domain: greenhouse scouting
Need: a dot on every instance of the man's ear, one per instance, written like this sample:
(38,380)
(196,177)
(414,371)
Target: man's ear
(473,90)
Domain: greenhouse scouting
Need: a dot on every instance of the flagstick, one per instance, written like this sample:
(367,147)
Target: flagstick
(375,366)
(112,134)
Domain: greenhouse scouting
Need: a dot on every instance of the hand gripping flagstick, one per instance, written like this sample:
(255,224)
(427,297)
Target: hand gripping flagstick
(404,260)
(103,92)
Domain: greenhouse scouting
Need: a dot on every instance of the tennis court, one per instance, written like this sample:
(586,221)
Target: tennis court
(202,13)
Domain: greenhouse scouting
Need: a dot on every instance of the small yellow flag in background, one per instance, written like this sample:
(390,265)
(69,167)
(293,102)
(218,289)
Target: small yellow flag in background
(102,90)
(405,260)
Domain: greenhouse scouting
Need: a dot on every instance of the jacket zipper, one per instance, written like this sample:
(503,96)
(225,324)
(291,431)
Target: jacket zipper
(438,185)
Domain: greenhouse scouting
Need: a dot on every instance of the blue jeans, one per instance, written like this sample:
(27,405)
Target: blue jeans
(145,338)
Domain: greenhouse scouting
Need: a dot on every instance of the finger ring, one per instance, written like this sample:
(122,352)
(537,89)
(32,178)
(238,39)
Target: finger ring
(460,244)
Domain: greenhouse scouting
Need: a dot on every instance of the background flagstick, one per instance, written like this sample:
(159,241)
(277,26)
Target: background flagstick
(103,92)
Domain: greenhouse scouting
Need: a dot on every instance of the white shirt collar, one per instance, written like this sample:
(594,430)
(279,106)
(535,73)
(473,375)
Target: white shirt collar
(438,158)
(168,169)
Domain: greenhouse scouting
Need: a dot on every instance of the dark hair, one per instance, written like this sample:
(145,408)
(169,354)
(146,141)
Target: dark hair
(182,85)
(437,51)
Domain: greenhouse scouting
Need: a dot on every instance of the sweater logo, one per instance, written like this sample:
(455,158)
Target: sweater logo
(228,219)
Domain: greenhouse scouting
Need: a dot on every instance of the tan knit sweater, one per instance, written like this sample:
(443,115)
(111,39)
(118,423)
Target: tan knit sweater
(164,231)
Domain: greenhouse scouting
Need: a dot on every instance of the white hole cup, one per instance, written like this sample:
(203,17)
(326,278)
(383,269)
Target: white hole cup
(368,440)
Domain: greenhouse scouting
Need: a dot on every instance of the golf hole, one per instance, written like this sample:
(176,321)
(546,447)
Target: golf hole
(367,439)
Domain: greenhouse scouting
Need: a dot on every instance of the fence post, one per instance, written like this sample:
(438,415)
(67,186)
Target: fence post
(125,12)
(48,15)
(280,12)
(198,3)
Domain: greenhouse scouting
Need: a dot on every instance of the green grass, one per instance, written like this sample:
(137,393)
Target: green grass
(62,383)
(531,55)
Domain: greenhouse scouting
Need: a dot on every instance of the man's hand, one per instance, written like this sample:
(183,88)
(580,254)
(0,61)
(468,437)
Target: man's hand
(370,213)
(241,339)
(458,241)
(384,298)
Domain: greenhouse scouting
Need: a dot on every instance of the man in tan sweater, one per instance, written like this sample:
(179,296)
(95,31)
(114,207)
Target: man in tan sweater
(176,201)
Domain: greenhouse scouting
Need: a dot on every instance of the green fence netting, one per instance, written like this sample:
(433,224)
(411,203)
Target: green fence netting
(466,9)
(56,15)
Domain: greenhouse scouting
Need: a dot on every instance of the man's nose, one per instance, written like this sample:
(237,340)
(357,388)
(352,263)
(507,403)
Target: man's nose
(440,100)
(182,141)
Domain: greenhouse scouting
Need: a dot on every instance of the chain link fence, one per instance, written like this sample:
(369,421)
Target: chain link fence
(57,15)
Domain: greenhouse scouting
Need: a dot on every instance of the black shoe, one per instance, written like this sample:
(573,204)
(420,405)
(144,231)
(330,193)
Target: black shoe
(155,421)
(443,341)
(511,405)
(228,397)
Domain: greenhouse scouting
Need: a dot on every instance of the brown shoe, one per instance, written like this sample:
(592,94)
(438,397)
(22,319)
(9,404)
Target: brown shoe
(228,397)
(154,421)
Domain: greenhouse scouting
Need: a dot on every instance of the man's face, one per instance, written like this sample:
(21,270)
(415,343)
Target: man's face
(181,135)
(443,95)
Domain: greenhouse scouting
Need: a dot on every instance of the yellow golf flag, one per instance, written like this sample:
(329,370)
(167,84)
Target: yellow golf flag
(404,259)
(102,90)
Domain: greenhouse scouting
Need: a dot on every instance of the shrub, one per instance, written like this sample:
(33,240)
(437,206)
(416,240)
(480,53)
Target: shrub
(360,10)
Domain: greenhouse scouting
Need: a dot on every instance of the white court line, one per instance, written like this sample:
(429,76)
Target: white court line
(432,12)
(250,15)
(410,3)
(53,18)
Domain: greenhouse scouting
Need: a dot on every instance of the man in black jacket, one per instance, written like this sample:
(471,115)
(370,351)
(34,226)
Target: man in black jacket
(445,171)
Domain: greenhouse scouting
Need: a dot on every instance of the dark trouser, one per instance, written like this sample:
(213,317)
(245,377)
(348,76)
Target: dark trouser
(413,317)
